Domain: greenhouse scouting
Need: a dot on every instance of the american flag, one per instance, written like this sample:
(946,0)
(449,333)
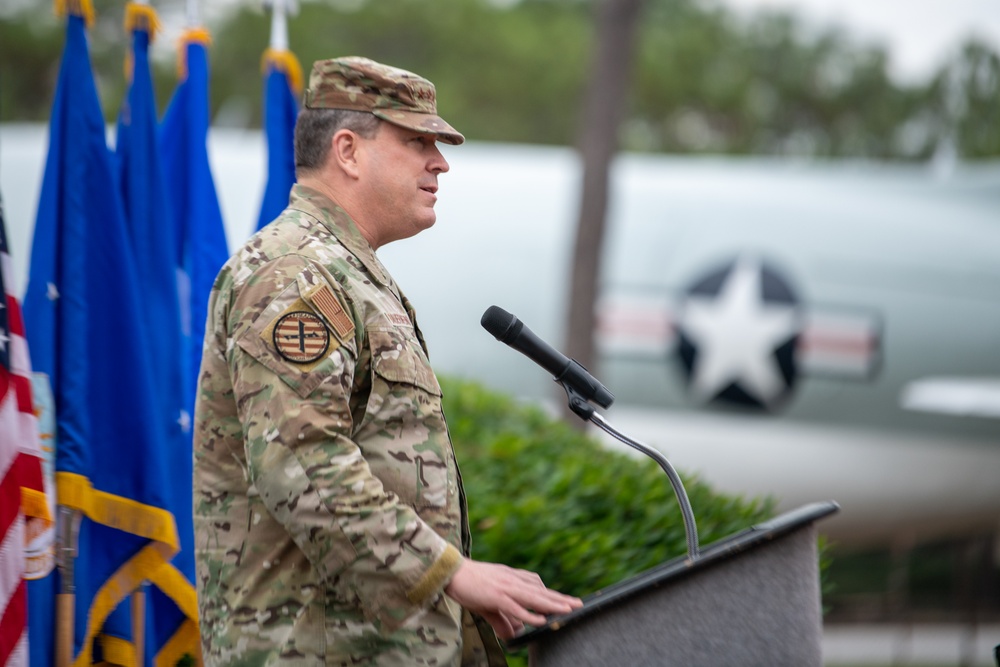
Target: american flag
(21,484)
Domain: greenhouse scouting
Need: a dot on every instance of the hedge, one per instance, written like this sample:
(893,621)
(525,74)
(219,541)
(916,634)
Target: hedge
(545,497)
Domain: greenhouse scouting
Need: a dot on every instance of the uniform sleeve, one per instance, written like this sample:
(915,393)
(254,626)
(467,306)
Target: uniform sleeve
(293,399)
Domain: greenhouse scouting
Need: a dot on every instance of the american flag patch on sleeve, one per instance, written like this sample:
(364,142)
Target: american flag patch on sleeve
(331,310)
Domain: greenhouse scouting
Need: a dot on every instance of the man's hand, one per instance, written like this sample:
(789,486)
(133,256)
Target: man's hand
(506,597)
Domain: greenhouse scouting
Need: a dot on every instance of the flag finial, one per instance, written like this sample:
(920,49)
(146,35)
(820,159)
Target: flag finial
(82,8)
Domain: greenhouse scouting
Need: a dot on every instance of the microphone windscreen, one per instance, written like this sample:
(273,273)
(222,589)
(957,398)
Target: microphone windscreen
(497,321)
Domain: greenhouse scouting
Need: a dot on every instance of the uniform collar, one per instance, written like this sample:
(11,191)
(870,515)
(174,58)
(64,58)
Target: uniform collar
(333,217)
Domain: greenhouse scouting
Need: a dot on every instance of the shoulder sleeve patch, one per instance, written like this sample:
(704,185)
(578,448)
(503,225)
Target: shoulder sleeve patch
(299,336)
(323,300)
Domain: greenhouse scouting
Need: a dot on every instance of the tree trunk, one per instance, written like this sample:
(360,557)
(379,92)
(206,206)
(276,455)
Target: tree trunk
(604,105)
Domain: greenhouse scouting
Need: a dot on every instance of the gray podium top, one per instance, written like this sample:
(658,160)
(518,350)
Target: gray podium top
(680,568)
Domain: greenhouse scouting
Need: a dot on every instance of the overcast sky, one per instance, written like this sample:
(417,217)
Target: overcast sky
(919,34)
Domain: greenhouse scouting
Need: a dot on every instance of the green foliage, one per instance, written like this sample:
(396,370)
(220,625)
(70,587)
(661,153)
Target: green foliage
(31,41)
(706,80)
(708,84)
(970,101)
(504,75)
(546,498)
(34,47)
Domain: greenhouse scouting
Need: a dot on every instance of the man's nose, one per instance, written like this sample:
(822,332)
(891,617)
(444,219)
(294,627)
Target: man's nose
(438,164)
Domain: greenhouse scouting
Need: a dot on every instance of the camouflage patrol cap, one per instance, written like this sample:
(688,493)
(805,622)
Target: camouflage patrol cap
(394,95)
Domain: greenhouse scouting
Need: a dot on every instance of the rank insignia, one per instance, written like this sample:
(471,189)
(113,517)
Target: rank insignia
(301,337)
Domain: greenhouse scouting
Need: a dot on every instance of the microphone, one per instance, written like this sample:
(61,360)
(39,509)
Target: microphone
(568,372)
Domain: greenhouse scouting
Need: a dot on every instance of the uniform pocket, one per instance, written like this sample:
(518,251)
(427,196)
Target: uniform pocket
(399,359)
(404,433)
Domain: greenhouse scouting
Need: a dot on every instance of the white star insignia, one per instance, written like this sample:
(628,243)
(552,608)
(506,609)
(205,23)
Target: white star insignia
(736,334)
(184,420)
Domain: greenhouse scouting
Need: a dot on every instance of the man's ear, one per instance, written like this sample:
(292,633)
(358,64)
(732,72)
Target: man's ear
(344,151)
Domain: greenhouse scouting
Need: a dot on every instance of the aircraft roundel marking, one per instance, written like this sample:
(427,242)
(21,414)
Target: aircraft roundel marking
(301,337)
(737,334)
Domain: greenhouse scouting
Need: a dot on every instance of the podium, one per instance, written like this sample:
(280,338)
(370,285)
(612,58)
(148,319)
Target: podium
(749,600)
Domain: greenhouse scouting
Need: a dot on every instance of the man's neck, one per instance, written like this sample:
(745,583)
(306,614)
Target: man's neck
(343,199)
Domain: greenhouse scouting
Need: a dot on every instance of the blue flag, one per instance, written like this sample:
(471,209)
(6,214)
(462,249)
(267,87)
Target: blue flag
(282,85)
(201,238)
(84,323)
(172,612)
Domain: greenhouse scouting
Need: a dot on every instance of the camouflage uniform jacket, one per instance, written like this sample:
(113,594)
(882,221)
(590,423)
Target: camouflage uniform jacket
(329,511)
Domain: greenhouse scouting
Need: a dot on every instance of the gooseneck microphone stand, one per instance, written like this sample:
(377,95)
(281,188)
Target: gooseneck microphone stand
(582,388)
(585,411)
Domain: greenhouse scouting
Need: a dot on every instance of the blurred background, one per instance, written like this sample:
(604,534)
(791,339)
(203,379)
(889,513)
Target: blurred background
(817,78)
(797,285)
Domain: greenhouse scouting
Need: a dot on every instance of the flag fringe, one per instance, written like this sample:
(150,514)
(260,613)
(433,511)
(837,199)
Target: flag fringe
(81,8)
(35,503)
(190,36)
(186,641)
(151,564)
(141,567)
(176,586)
(118,651)
(154,523)
(284,61)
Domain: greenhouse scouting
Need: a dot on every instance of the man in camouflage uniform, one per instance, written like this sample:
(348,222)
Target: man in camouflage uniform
(330,519)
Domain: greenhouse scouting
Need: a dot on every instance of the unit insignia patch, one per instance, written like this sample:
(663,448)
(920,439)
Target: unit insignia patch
(301,337)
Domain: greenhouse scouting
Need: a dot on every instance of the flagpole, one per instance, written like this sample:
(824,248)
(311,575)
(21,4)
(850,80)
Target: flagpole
(198,224)
(137,601)
(279,24)
(68,526)
(139,622)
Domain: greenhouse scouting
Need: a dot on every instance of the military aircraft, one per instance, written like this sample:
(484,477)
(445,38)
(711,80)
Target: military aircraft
(805,330)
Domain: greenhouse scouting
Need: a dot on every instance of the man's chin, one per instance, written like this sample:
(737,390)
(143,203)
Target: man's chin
(427,221)
(415,227)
